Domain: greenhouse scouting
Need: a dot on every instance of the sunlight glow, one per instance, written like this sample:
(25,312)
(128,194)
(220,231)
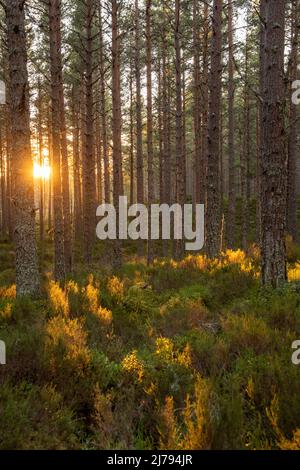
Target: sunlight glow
(42,171)
(46,154)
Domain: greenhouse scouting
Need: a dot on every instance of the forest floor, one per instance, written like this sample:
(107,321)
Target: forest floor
(180,355)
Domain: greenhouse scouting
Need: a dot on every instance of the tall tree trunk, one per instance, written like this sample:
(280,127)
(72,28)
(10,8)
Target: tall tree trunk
(3,186)
(205,99)
(116,122)
(99,160)
(9,147)
(292,136)
(54,28)
(231,130)
(186,162)
(213,225)
(103,111)
(160,132)
(89,186)
(245,155)
(65,178)
(180,157)
(166,157)
(150,253)
(76,169)
(198,158)
(262,34)
(64,152)
(166,113)
(139,124)
(131,131)
(27,274)
(41,162)
(274,164)
(50,182)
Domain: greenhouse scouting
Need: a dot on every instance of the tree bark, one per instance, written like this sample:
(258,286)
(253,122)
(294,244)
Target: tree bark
(213,225)
(76,168)
(274,164)
(262,34)
(231,131)
(180,156)
(27,274)
(139,124)
(150,253)
(198,158)
(106,168)
(116,123)
(131,131)
(41,162)
(292,136)
(3,186)
(54,27)
(89,177)
(245,155)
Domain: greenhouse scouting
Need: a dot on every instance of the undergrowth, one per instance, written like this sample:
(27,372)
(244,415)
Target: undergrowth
(180,355)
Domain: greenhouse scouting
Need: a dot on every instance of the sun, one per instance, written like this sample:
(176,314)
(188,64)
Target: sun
(42,171)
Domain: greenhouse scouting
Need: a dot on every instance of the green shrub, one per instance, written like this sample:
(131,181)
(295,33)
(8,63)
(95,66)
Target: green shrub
(246,332)
(35,417)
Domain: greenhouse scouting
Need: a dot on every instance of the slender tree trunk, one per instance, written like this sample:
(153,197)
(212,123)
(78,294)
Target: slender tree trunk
(64,158)
(198,159)
(293,124)
(50,183)
(76,169)
(205,99)
(27,274)
(166,120)
(116,123)
(41,162)
(89,187)
(65,180)
(166,158)
(160,133)
(3,186)
(262,14)
(180,157)
(9,148)
(139,124)
(221,170)
(213,197)
(131,124)
(186,163)
(107,196)
(150,253)
(82,139)
(54,27)
(274,165)
(99,160)
(231,131)
(245,155)
(63,149)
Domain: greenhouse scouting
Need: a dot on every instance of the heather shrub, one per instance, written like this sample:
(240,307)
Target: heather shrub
(209,354)
(58,299)
(246,332)
(178,315)
(177,355)
(191,428)
(35,417)
(75,299)
(66,345)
